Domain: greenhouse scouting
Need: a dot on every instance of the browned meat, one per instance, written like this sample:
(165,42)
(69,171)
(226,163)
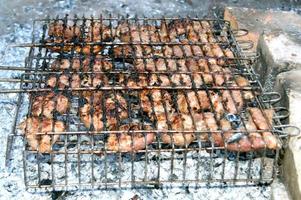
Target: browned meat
(243,82)
(263,124)
(233,103)
(47,104)
(217,104)
(207,50)
(145,65)
(212,126)
(41,142)
(92,119)
(100,32)
(228,53)
(95,97)
(128,142)
(88,49)
(255,137)
(218,75)
(217,51)
(123,51)
(176,28)
(179,123)
(200,125)
(160,80)
(242,145)
(100,64)
(60,64)
(181,79)
(57,29)
(226,127)
(192,36)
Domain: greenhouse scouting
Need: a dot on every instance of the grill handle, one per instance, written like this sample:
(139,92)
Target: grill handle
(240,32)
(271,97)
(11,80)
(291,131)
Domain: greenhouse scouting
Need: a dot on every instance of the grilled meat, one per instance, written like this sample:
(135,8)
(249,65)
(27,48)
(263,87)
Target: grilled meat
(45,105)
(264,123)
(130,141)
(41,142)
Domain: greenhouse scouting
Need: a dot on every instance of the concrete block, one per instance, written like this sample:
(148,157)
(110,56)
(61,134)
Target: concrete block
(279,191)
(289,85)
(279,53)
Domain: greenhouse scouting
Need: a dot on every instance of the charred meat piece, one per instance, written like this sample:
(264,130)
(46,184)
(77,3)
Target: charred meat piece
(41,142)
(100,32)
(92,117)
(130,141)
(58,29)
(177,27)
(243,82)
(241,143)
(179,123)
(123,51)
(263,123)
(216,104)
(255,137)
(213,128)
(233,102)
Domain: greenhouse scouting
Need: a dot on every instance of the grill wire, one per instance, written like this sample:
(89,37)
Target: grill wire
(81,156)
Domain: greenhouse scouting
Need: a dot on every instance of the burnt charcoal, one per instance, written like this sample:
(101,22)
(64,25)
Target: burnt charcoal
(45,182)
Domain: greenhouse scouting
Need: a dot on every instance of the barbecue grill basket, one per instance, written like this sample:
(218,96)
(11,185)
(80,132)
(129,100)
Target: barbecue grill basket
(80,157)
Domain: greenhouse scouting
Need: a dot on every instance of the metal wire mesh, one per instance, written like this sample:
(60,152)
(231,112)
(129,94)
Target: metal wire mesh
(120,102)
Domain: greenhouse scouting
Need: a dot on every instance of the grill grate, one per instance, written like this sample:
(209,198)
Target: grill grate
(143,102)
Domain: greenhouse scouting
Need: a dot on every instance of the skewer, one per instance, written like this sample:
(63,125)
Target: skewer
(107,88)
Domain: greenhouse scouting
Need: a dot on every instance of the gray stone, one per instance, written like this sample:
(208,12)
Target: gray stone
(280,52)
(289,85)
(279,191)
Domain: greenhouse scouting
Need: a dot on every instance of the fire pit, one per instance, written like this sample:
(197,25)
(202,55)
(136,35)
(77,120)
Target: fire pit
(143,102)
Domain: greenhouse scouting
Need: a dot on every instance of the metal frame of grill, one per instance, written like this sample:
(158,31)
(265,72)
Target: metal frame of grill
(79,147)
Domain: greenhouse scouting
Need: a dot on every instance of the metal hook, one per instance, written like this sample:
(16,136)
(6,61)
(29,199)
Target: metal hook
(272,97)
(281,109)
(245,44)
(292,130)
(240,32)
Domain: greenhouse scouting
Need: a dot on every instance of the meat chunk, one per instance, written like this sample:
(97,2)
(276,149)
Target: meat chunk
(41,142)
(131,141)
(179,123)
(45,105)
(213,128)
(263,123)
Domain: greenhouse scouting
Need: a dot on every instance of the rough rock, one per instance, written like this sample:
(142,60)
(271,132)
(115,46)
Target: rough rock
(279,191)
(280,52)
(289,86)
